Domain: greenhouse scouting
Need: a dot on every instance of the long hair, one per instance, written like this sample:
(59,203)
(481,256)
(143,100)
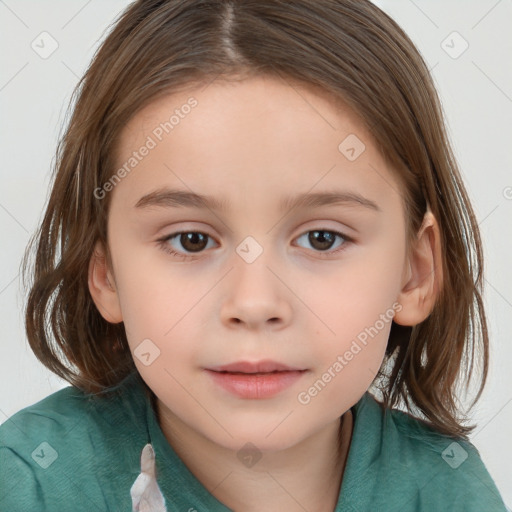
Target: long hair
(348,48)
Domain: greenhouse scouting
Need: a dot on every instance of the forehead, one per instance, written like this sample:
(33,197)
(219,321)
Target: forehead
(252,101)
(257,136)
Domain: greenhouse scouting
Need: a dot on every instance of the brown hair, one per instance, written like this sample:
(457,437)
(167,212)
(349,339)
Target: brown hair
(348,48)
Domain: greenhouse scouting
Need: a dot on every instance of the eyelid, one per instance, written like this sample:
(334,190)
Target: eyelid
(326,225)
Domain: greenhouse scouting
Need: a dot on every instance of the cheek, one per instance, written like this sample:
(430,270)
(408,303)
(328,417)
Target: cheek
(162,314)
(350,353)
(357,306)
(356,295)
(152,292)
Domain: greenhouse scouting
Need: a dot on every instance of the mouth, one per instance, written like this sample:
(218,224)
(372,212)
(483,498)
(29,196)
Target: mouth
(260,367)
(258,380)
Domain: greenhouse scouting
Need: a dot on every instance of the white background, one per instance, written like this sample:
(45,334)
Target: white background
(476,91)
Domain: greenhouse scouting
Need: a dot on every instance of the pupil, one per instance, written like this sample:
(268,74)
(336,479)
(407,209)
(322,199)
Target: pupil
(320,238)
(190,241)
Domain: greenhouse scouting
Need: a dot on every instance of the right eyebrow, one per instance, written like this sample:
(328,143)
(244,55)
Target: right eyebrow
(174,198)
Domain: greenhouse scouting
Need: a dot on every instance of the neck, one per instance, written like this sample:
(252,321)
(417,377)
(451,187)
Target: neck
(306,476)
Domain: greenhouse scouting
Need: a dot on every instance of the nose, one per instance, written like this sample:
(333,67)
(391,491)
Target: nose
(255,297)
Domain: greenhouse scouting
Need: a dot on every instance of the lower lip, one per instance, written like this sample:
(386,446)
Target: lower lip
(265,385)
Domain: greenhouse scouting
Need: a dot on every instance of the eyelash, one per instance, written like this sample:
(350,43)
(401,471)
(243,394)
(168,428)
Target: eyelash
(163,242)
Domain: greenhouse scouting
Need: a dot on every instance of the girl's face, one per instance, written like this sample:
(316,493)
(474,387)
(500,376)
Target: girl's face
(253,278)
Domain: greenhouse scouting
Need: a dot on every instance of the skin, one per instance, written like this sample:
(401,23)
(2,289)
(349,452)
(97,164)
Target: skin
(251,143)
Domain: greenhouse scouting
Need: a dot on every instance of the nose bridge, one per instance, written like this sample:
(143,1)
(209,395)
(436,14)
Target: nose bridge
(254,293)
(252,266)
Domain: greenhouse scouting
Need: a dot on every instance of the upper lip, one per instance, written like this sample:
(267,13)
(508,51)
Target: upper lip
(254,367)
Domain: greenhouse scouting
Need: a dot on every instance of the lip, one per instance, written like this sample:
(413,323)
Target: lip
(265,366)
(259,380)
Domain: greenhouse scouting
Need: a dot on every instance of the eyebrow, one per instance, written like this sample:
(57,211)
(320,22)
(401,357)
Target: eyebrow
(174,198)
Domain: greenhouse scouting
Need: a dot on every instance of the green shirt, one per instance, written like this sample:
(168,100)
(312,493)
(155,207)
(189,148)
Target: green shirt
(76,452)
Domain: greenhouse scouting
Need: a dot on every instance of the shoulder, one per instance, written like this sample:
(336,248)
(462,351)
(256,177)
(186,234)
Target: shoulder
(70,411)
(44,447)
(57,412)
(435,471)
(31,441)
(447,468)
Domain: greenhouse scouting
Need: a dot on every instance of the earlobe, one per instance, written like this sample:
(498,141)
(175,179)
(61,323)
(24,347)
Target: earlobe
(103,292)
(424,275)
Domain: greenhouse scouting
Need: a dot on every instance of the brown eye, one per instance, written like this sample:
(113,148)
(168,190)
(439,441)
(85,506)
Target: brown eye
(322,240)
(190,241)
(193,241)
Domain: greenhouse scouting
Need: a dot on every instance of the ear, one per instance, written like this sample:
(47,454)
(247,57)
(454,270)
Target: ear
(103,292)
(423,275)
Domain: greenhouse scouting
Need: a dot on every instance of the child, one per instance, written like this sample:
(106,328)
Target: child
(301,146)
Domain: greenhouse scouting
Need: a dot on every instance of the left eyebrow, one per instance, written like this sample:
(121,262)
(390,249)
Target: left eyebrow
(328,198)
(174,198)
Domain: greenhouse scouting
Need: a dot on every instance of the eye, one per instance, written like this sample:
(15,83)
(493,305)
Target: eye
(196,242)
(323,239)
(192,241)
